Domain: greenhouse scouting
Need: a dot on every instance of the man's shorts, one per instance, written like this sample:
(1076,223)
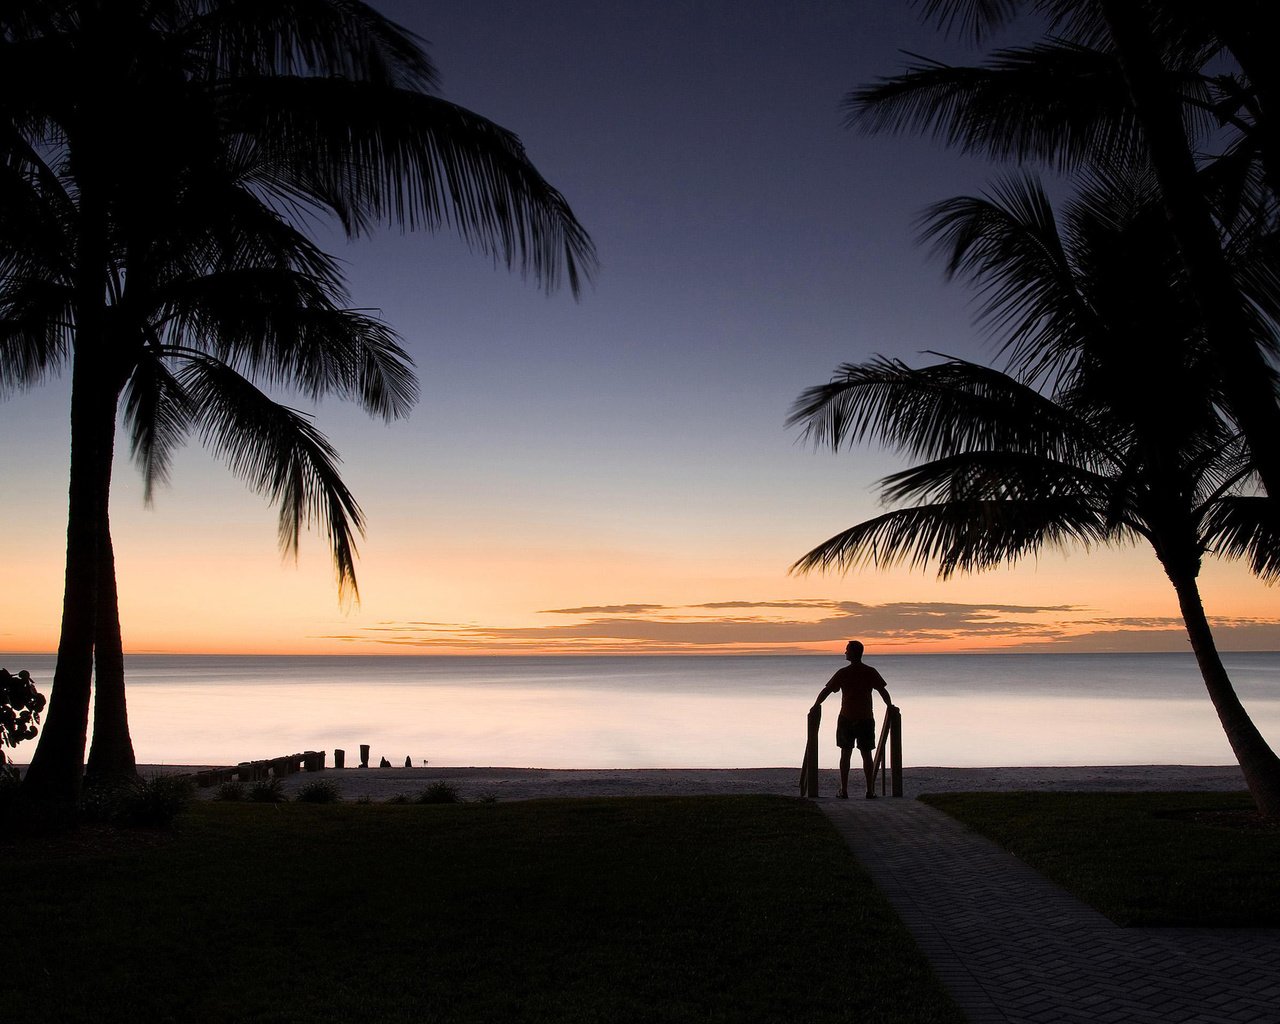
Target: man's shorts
(859,731)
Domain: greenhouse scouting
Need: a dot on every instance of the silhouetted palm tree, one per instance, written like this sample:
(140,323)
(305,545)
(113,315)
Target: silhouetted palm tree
(1111,434)
(147,129)
(1125,81)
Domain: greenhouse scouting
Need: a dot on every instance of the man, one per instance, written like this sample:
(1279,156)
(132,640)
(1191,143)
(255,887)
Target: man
(857,723)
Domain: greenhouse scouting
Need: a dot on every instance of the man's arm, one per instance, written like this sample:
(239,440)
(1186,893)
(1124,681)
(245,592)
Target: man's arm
(827,690)
(884,689)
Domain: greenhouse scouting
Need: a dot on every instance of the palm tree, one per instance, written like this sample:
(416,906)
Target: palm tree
(145,128)
(1106,430)
(254,294)
(1125,82)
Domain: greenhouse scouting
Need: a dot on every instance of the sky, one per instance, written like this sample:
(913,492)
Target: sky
(614,474)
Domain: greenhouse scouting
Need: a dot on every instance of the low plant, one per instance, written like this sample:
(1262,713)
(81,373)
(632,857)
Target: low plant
(440,792)
(267,791)
(400,798)
(154,801)
(20,707)
(232,791)
(321,791)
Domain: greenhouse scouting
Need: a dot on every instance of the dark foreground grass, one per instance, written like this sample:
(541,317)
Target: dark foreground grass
(701,909)
(1140,858)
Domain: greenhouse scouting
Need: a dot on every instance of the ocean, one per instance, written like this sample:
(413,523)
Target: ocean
(965,710)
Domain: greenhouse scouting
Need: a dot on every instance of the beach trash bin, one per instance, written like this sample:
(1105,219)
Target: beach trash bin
(364,755)
(339,757)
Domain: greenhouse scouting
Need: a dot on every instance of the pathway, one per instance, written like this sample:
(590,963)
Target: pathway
(1012,947)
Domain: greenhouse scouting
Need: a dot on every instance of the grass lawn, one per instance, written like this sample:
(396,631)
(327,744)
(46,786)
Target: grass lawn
(697,909)
(1140,858)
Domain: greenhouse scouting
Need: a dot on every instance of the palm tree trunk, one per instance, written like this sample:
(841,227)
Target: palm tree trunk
(1247,378)
(52,781)
(111,758)
(1258,762)
(51,786)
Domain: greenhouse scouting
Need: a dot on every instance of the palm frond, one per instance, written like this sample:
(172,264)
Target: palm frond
(1055,102)
(1248,528)
(277,327)
(996,476)
(339,38)
(279,453)
(961,536)
(1008,243)
(373,155)
(940,410)
(976,19)
(158,415)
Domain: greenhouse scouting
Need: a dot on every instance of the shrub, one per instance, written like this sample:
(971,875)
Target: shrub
(155,801)
(439,793)
(159,800)
(231,791)
(400,798)
(20,707)
(268,791)
(321,791)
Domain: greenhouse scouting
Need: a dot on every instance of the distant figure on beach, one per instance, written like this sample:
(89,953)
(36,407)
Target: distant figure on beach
(857,722)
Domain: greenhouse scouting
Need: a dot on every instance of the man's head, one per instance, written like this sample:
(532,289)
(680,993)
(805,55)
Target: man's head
(853,650)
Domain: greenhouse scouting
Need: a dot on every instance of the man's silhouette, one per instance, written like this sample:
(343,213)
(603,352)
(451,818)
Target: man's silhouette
(857,723)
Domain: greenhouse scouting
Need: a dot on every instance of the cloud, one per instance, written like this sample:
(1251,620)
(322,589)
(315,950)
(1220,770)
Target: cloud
(767,604)
(773,627)
(783,627)
(1148,636)
(606,609)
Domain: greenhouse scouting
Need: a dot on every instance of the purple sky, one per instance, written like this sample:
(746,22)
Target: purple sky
(627,449)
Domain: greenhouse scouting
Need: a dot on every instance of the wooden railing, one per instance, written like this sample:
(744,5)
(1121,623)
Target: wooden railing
(892,728)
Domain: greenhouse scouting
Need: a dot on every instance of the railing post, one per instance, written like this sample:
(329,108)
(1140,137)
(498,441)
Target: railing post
(809,767)
(895,748)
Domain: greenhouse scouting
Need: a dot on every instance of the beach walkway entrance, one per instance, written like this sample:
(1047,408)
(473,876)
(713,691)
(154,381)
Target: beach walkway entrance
(1011,946)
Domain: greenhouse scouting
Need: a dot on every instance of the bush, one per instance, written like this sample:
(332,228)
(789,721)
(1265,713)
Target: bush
(400,798)
(20,707)
(268,791)
(321,791)
(439,793)
(155,801)
(158,801)
(231,791)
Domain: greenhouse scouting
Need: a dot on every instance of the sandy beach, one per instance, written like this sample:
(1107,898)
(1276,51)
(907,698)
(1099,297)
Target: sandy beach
(476,783)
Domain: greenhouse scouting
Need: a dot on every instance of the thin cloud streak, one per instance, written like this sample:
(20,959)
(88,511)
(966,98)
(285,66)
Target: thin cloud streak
(775,628)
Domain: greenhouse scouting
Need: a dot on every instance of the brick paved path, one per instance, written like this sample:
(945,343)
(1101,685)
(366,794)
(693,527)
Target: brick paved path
(1011,946)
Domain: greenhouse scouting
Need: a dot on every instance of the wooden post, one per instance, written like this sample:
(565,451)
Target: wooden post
(364,755)
(339,757)
(878,762)
(809,766)
(895,748)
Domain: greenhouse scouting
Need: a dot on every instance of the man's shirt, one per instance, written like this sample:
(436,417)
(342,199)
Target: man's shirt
(855,683)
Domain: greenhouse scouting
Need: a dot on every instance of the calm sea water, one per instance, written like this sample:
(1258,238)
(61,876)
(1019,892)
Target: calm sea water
(698,712)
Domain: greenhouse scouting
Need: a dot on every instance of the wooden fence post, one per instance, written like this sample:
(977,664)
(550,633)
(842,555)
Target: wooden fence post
(809,767)
(895,748)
